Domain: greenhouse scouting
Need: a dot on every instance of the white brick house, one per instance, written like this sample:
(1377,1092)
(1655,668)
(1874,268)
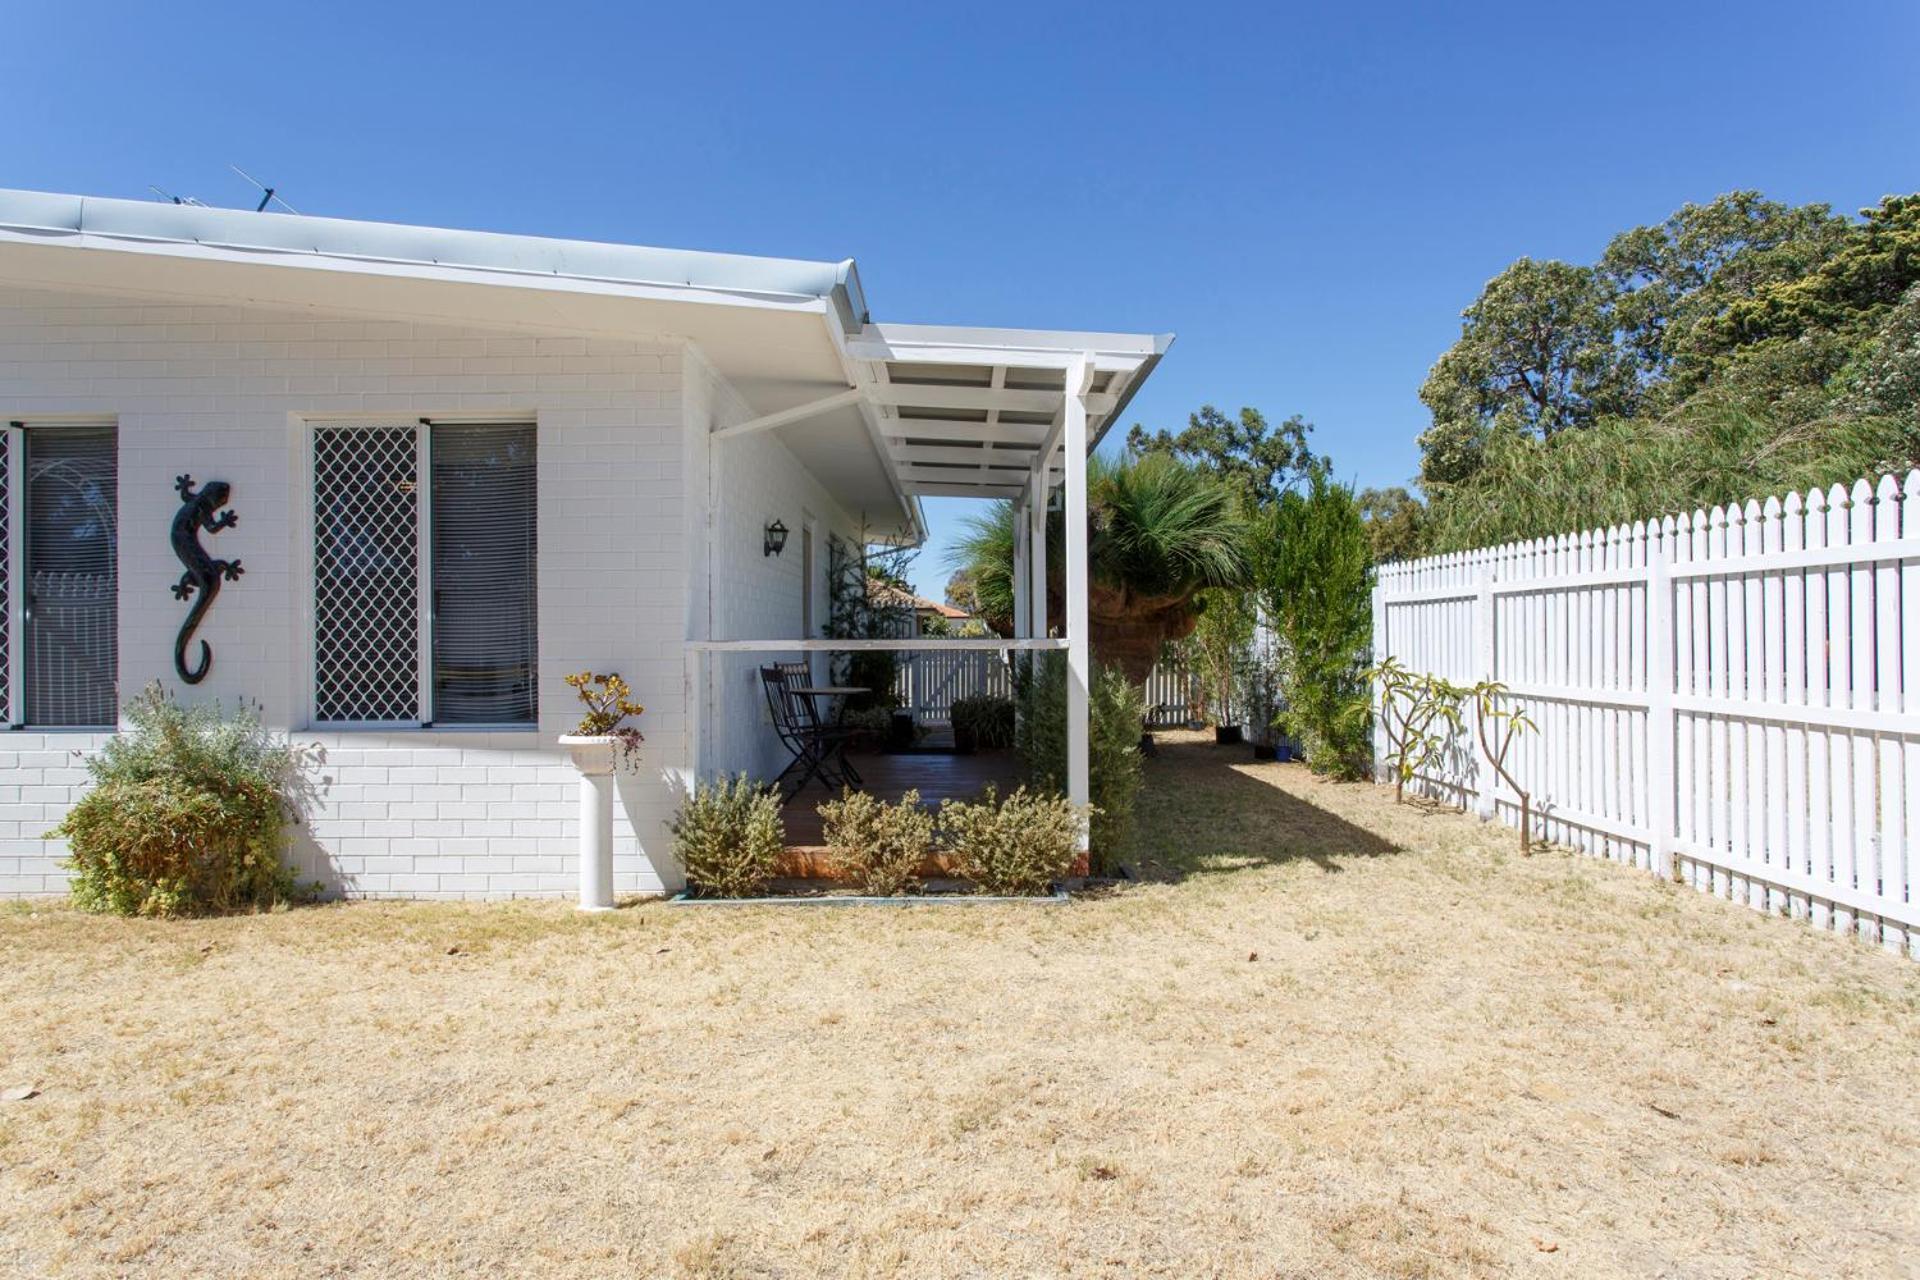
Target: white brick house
(464,466)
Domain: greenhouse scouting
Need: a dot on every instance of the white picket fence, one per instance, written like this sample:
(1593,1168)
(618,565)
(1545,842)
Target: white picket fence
(1172,694)
(929,680)
(1731,697)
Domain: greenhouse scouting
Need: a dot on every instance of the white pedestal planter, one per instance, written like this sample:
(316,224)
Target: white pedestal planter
(594,758)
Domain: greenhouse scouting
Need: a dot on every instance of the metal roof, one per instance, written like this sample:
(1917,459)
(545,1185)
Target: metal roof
(269,233)
(941,410)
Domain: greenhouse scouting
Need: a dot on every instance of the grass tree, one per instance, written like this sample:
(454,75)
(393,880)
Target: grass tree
(1161,531)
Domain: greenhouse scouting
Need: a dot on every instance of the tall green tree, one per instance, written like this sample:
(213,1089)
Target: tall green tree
(1672,280)
(1536,355)
(1850,291)
(1396,523)
(1258,459)
(1740,333)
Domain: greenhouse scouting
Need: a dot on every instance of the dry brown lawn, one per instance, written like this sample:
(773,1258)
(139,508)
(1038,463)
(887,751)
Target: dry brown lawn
(1329,1037)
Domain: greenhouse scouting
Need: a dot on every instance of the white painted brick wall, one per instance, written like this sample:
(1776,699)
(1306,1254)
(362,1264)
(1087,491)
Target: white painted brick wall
(220,392)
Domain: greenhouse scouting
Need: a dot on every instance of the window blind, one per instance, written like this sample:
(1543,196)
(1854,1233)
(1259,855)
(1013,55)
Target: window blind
(71,582)
(485,642)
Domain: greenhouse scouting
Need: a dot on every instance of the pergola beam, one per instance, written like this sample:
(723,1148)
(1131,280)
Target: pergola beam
(964,454)
(983,356)
(901,429)
(944,489)
(915,395)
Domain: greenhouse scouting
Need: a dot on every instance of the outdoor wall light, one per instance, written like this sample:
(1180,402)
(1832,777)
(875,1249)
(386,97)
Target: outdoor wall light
(776,539)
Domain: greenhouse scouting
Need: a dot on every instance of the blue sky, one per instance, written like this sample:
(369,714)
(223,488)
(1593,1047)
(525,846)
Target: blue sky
(1307,196)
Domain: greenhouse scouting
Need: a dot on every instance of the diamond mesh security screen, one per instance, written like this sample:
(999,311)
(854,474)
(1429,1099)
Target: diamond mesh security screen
(483,574)
(6,582)
(72,632)
(366,575)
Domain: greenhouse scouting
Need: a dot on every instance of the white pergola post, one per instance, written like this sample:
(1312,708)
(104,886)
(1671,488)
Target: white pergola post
(1079,643)
(1037,546)
(1022,597)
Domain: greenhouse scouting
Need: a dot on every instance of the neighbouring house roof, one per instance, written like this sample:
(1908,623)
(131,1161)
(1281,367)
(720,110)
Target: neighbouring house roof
(890,596)
(881,413)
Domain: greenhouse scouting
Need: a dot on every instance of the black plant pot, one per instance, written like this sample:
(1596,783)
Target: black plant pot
(1227,735)
(964,740)
(900,731)
(1261,751)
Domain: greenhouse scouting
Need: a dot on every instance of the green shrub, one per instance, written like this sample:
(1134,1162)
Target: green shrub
(1315,581)
(987,718)
(187,814)
(1021,845)
(876,845)
(1115,716)
(728,837)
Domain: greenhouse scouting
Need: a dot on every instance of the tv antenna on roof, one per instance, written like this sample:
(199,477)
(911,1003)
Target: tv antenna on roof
(267,195)
(169,196)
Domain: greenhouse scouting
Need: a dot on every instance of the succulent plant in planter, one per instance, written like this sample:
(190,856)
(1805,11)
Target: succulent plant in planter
(982,720)
(608,702)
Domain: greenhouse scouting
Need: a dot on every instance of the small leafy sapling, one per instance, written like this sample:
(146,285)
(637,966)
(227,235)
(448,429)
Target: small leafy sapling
(1498,725)
(1420,715)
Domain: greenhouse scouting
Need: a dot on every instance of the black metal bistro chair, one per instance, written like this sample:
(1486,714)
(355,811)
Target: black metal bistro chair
(819,749)
(799,675)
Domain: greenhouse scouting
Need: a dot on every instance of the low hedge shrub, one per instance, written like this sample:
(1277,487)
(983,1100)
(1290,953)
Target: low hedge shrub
(728,837)
(876,845)
(1021,845)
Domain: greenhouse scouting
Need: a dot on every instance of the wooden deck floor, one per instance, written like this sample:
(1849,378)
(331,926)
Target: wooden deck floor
(936,775)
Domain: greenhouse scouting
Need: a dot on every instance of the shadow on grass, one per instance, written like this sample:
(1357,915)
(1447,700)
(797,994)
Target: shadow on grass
(1197,815)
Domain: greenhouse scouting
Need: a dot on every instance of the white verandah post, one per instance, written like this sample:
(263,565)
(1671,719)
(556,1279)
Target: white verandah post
(1037,546)
(1079,645)
(1022,597)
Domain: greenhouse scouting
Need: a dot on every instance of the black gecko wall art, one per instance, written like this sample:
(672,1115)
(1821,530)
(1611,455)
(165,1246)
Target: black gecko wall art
(204,574)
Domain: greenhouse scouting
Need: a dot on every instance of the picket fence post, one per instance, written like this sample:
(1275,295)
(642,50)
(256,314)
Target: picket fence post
(1381,650)
(1483,662)
(1659,801)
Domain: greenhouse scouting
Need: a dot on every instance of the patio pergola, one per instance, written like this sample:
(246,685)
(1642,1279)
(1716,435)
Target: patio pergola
(991,414)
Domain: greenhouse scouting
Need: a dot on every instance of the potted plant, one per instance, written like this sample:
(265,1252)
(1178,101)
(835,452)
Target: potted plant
(966,733)
(901,730)
(1220,643)
(602,738)
(1260,696)
(982,720)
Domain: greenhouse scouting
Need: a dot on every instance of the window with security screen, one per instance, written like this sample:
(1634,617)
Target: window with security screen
(59,594)
(423,574)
